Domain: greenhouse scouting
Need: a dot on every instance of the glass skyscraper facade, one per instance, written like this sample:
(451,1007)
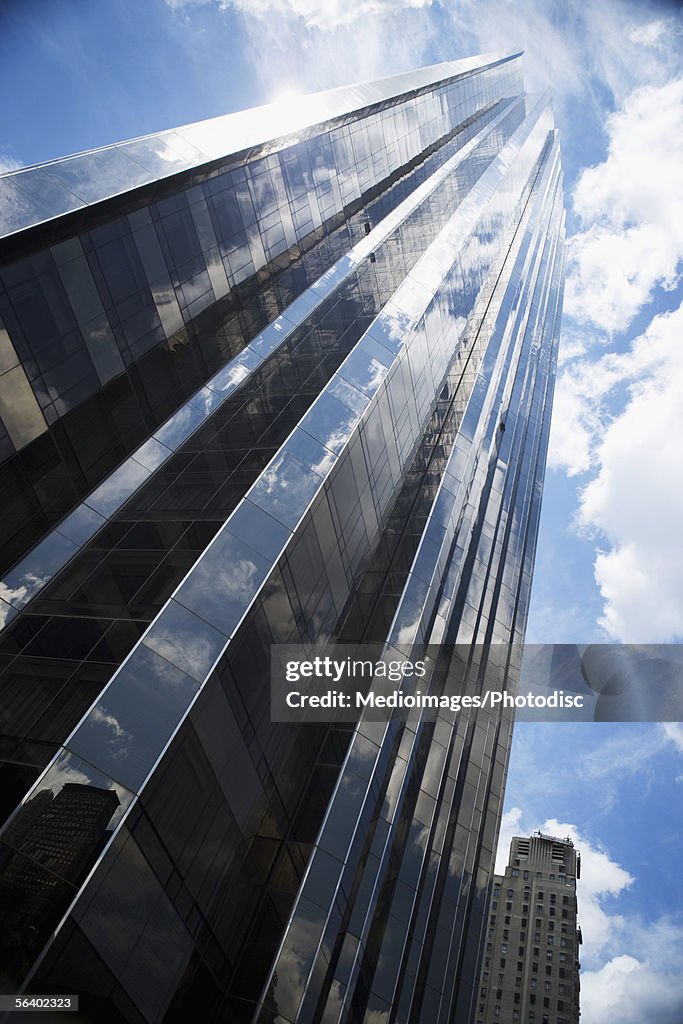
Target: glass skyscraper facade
(281,377)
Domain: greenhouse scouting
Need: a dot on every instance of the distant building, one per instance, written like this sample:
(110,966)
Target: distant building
(531,963)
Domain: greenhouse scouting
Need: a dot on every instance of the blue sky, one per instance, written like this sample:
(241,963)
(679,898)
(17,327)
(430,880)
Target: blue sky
(622,784)
(77,74)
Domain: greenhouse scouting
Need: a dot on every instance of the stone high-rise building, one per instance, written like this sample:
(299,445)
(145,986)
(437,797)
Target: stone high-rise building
(283,376)
(531,965)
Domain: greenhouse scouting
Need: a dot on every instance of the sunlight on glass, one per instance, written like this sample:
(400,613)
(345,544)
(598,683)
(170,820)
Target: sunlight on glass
(284,113)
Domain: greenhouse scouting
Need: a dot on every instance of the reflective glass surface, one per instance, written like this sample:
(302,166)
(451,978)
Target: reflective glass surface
(147,306)
(338,471)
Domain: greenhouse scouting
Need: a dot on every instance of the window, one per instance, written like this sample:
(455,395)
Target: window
(546,986)
(537,936)
(548,969)
(551,939)
(546,1003)
(553,897)
(494,905)
(507,919)
(532,1000)
(539,874)
(496,1011)
(503,949)
(511,893)
(551,926)
(541,895)
(526,875)
(534,982)
(518,982)
(483,991)
(516,998)
(552,911)
(534,968)
(520,949)
(548,954)
(508,906)
(515,872)
(496,890)
(551,877)
(525,908)
(539,908)
(502,962)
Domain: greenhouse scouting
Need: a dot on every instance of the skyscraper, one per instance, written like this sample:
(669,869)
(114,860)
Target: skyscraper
(531,967)
(285,376)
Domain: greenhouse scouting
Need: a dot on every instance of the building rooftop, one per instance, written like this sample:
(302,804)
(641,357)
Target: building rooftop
(35,195)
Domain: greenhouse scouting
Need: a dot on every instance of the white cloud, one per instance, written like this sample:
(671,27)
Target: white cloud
(323,14)
(576,423)
(636,498)
(636,988)
(631,206)
(510,826)
(8,163)
(601,878)
(618,756)
(648,34)
(673,732)
(619,416)
(319,44)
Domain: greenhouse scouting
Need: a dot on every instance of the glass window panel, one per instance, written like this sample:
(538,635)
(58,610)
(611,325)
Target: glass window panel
(223,583)
(259,530)
(286,488)
(40,185)
(126,731)
(330,421)
(185,640)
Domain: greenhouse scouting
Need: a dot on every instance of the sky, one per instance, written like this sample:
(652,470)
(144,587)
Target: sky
(77,75)
(622,784)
